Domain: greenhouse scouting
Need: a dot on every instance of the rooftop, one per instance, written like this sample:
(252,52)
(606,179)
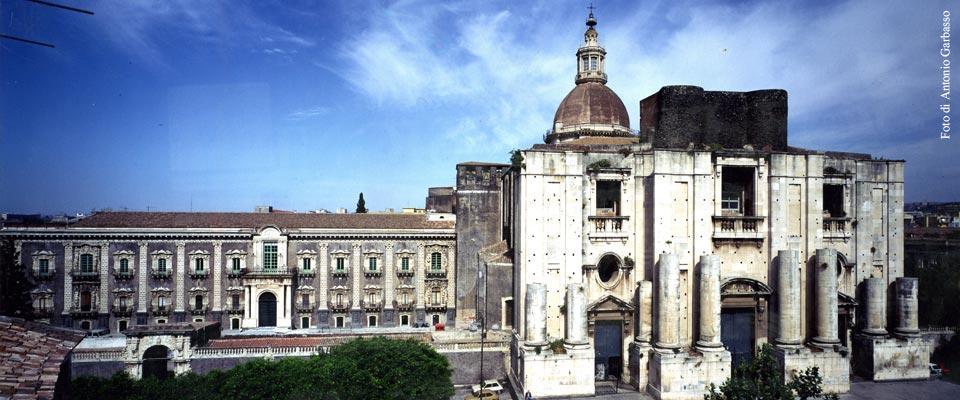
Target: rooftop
(174,220)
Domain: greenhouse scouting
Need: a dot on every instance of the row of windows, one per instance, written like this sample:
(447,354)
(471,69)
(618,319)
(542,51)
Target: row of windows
(590,63)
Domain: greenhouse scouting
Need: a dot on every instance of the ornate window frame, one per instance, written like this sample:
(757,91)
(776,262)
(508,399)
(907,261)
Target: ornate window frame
(405,255)
(335,257)
(201,257)
(229,306)
(407,303)
(432,259)
(120,309)
(155,258)
(236,254)
(344,298)
(372,298)
(50,258)
(43,303)
(304,257)
(156,308)
(86,250)
(193,293)
(305,290)
(436,293)
(118,258)
(372,262)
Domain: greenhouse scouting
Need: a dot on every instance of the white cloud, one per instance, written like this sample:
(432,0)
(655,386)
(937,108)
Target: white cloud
(308,113)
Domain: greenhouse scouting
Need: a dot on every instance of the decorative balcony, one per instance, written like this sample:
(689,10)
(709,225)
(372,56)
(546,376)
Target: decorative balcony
(436,307)
(122,310)
(198,310)
(403,306)
(340,273)
(160,310)
(269,272)
(436,273)
(43,312)
(165,274)
(44,276)
(343,306)
(401,272)
(836,228)
(79,276)
(372,274)
(305,307)
(738,229)
(235,309)
(84,312)
(234,273)
(372,306)
(123,275)
(607,224)
(198,274)
(306,272)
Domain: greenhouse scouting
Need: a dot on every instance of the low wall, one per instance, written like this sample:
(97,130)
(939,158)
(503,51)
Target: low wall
(102,369)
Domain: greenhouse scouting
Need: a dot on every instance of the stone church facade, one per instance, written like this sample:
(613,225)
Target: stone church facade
(115,270)
(666,256)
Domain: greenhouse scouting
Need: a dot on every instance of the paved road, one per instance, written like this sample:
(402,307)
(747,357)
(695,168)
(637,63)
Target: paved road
(934,389)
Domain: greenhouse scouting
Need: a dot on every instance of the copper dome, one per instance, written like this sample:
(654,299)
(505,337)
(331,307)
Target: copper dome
(591,103)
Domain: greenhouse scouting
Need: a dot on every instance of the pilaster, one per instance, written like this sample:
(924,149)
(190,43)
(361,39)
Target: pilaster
(67,277)
(356,266)
(217,271)
(389,277)
(103,303)
(180,266)
(142,277)
(324,266)
(419,283)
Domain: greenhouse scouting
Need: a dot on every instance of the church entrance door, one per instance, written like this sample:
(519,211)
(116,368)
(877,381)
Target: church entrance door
(155,362)
(736,333)
(268,310)
(608,339)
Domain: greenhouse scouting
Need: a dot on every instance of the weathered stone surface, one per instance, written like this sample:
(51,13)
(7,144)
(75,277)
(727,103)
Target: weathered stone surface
(668,302)
(709,303)
(833,366)
(576,315)
(907,306)
(536,314)
(788,292)
(875,312)
(684,376)
(826,298)
(891,358)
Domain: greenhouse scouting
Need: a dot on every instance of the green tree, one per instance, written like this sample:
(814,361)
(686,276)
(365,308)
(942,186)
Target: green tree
(761,378)
(361,205)
(939,288)
(381,368)
(15,286)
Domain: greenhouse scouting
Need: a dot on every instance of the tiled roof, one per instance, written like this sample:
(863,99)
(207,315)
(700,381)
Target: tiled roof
(30,357)
(127,219)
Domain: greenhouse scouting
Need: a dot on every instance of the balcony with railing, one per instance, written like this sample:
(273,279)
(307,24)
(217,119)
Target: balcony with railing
(436,273)
(305,306)
(198,274)
(404,272)
(279,271)
(198,310)
(836,228)
(160,274)
(44,275)
(436,306)
(403,305)
(372,305)
(737,228)
(123,275)
(84,311)
(372,273)
(160,310)
(90,275)
(43,311)
(339,306)
(235,309)
(122,310)
(340,272)
(607,227)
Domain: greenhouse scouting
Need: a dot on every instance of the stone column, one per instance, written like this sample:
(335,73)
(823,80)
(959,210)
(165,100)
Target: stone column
(536,314)
(355,273)
(65,318)
(103,302)
(668,302)
(709,303)
(323,261)
(875,313)
(419,280)
(178,277)
(907,307)
(389,276)
(576,315)
(788,296)
(645,312)
(217,271)
(826,300)
(143,270)
(451,271)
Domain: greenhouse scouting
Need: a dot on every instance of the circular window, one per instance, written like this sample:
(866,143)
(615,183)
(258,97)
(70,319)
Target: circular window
(608,268)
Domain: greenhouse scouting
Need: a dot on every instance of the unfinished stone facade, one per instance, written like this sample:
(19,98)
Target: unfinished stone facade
(696,240)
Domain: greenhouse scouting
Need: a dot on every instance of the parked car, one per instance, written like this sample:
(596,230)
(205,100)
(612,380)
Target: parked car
(489,384)
(482,395)
(935,371)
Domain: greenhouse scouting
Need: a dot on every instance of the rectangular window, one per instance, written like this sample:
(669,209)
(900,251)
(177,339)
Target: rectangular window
(341,263)
(305,300)
(161,321)
(833,201)
(404,320)
(121,325)
(586,63)
(235,299)
(736,196)
(198,320)
(124,265)
(435,296)
(162,265)
(608,198)
(122,302)
(44,266)
(371,320)
(404,298)
(198,264)
(405,264)
(372,263)
(304,322)
(236,264)
(436,319)
(338,322)
(86,263)
(306,264)
(270,256)
(436,261)
(235,323)
(162,302)
(593,63)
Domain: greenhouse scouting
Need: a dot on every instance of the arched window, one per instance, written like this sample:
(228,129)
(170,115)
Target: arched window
(86,263)
(435,261)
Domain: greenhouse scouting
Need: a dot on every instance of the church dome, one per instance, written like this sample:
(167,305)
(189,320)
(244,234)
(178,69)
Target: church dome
(591,103)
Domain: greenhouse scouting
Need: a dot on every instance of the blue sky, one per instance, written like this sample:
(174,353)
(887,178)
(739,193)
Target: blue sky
(224,105)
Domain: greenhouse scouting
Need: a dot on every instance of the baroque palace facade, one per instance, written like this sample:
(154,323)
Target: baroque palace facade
(114,270)
(661,257)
